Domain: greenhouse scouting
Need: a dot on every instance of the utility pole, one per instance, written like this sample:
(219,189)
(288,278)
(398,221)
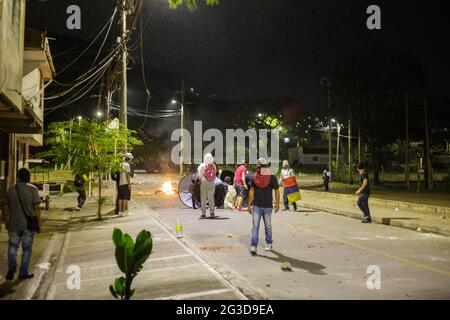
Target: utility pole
(350,179)
(124,98)
(427,144)
(407,180)
(359,146)
(330,143)
(338,146)
(448,165)
(182,129)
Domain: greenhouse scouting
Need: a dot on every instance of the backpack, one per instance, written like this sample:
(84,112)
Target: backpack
(210,172)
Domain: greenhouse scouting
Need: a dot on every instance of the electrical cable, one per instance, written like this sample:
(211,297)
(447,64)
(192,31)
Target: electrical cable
(87,48)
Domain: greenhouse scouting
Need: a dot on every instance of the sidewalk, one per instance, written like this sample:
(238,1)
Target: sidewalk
(47,244)
(422,218)
(173,271)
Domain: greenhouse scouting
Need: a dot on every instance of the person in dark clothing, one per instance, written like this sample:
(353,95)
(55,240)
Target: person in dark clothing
(192,187)
(80,180)
(115,176)
(363,193)
(248,181)
(220,193)
(326,179)
(21,208)
(260,203)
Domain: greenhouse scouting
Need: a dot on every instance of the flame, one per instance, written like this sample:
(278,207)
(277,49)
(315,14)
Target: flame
(167,188)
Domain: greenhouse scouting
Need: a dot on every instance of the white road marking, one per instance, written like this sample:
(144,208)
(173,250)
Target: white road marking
(203,262)
(113,276)
(195,294)
(149,261)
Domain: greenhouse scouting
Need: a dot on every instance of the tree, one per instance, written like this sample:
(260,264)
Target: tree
(191,4)
(371,90)
(92,146)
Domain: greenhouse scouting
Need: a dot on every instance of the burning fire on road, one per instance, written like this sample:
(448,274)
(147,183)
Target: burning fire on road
(168,189)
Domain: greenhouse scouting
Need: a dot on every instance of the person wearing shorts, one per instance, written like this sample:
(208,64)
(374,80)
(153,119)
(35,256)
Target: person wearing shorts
(124,193)
(240,185)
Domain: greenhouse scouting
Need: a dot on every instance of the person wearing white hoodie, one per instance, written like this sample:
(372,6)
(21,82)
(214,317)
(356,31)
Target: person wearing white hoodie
(286,172)
(207,175)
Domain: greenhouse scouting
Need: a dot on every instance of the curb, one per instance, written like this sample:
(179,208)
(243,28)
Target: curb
(385,221)
(413,207)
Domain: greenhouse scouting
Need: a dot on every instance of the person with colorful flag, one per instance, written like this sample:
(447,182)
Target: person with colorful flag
(291,191)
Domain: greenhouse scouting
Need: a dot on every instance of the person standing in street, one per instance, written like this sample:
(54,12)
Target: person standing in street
(207,175)
(80,180)
(240,185)
(363,193)
(23,220)
(260,203)
(286,172)
(125,186)
(326,176)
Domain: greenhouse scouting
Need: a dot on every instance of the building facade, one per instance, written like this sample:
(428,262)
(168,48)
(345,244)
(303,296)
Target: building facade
(25,66)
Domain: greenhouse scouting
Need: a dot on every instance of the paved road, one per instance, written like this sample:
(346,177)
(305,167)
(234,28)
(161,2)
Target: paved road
(330,255)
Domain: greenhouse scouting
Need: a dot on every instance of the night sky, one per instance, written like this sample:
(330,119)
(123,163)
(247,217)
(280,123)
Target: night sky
(246,49)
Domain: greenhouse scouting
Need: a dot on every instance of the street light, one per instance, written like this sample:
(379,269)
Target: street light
(182,134)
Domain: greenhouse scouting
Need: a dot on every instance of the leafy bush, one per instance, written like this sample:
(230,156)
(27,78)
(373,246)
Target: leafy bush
(130,258)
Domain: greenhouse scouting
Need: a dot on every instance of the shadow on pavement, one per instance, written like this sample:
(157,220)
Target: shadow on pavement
(7,288)
(311,267)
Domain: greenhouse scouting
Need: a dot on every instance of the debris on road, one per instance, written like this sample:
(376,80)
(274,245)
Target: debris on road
(229,235)
(286,266)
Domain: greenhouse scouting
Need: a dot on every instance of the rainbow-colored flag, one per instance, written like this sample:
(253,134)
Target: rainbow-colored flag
(292,189)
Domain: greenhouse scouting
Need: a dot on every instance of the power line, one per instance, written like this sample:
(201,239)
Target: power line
(87,48)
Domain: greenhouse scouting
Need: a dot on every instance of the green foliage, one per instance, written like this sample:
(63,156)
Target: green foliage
(130,258)
(191,4)
(90,146)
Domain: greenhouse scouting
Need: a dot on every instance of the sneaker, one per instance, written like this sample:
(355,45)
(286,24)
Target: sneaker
(212,215)
(367,221)
(10,275)
(78,208)
(26,276)
(203,216)
(268,247)
(253,251)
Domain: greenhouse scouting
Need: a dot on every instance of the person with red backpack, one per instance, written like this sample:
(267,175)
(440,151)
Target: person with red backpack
(207,175)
